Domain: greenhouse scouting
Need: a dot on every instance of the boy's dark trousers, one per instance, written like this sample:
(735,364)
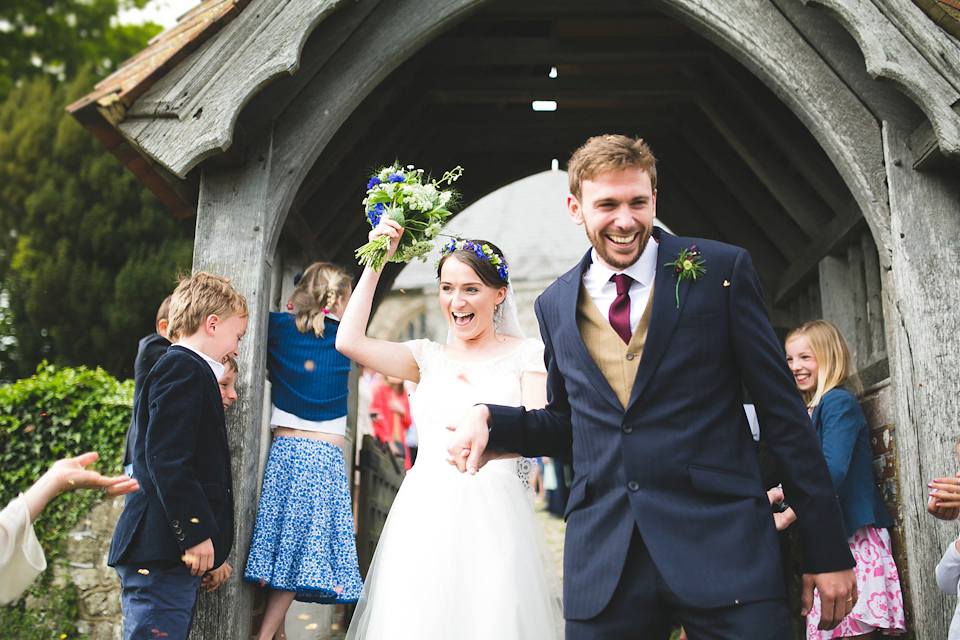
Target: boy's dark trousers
(157,602)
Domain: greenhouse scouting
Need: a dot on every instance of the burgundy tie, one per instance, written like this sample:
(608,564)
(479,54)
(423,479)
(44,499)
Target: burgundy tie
(620,309)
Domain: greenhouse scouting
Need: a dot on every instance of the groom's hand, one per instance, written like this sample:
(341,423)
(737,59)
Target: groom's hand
(468,443)
(838,595)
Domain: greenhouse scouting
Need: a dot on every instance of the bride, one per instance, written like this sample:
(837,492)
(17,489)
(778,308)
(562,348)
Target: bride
(460,556)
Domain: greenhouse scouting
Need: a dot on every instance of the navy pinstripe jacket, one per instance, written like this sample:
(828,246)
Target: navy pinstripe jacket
(679,463)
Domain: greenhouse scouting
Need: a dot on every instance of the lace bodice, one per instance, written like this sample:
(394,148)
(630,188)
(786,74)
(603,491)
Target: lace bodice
(448,388)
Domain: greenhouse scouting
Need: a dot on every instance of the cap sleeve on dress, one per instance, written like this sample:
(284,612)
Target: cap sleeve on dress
(531,356)
(418,349)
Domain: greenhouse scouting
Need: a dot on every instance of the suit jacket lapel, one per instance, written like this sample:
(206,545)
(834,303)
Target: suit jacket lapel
(664,314)
(569,330)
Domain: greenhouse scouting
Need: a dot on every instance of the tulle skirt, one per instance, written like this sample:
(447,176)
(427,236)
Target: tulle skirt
(460,557)
(304,539)
(879,601)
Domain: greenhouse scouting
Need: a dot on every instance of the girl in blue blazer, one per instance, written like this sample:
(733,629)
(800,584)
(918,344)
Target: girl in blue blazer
(820,360)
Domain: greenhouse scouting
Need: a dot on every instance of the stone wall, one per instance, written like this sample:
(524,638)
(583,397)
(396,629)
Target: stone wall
(98,587)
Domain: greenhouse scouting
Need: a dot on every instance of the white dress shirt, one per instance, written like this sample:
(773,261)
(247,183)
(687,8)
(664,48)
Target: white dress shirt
(216,367)
(603,291)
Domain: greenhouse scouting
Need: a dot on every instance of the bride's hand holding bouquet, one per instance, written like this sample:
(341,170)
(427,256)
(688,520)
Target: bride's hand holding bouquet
(419,207)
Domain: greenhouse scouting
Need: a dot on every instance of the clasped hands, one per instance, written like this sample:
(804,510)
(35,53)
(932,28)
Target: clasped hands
(467,449)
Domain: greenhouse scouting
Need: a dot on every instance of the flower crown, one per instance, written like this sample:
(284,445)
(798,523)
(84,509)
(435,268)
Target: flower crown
(482,251)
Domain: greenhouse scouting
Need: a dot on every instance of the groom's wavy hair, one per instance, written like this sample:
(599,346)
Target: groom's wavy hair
(834,359)
(605,153)
(487,273)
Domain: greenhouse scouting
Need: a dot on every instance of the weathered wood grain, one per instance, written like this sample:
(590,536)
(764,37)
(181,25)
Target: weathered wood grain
(921,297)
(891,55)
(770,45)
(233,227)
(189,114)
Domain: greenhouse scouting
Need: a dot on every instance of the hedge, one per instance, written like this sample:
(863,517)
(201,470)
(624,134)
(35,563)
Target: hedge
(55,414)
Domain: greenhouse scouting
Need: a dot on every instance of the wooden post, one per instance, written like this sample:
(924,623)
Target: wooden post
(234,240)
(920,301)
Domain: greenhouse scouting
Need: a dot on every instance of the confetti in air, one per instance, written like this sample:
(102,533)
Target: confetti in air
(309,365)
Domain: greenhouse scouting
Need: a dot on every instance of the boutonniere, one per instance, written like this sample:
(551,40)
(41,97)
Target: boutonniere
(687,266)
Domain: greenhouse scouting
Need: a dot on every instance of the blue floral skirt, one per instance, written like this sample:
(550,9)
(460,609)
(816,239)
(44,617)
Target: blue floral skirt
(304,538)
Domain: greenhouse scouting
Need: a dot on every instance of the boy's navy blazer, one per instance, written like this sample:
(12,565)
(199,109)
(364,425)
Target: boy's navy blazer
(679,462)
(182,462)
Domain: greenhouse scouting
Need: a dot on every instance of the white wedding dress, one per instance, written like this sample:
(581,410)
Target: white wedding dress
(461,557)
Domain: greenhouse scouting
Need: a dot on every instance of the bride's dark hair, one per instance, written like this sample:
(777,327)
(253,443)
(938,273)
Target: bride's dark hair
(487,272)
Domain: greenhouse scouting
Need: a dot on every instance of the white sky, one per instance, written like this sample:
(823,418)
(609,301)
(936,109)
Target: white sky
(163,12)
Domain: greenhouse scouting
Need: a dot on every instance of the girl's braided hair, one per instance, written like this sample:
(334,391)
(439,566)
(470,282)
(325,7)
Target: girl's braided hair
(317,292)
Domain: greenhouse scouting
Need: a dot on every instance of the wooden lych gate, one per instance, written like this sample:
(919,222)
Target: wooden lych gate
(822,135)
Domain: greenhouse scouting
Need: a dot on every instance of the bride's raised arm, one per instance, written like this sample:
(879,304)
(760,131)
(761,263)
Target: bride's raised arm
(388,358)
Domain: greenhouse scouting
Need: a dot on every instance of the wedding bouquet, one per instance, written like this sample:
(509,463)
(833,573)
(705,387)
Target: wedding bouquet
(420,206)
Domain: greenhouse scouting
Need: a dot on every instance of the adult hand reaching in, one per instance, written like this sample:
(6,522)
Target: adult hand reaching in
(69,474)
(944,502)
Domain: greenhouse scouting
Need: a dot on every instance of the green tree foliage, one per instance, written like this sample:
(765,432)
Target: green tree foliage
(87,253)
(57,38)
(43,418)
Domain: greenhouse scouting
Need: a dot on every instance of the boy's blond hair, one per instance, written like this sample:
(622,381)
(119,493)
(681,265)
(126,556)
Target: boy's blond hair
(163,313)
(600,154)
(317,292)
(834,360)
(230,364)
(196,298)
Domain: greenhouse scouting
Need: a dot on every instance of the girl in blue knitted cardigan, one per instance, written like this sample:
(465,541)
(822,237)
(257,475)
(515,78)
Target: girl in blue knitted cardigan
(303,544)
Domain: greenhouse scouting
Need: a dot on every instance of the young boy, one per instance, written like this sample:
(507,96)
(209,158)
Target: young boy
(150,349)
(179,525)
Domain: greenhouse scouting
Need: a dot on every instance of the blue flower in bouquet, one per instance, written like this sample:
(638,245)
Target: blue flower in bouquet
(374,214)
(395,177)
(374,181)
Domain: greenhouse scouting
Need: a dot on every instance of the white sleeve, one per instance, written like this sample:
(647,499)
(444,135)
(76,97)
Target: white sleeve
(21,557)
(531,356)
(948,571)
(418,349)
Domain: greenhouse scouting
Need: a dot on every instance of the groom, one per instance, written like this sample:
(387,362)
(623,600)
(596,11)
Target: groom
(667,518)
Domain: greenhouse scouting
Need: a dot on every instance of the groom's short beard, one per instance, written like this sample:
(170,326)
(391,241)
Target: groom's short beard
(615,261)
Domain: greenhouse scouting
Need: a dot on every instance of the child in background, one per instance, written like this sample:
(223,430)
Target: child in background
(179,525)
(948,573)
(149,350)
(820,361)
(304,546)
(228,383)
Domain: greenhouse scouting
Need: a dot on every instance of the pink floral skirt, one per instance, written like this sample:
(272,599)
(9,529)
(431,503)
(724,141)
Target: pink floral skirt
(880,601)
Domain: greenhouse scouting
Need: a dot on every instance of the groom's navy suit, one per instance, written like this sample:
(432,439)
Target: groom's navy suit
(678,464)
